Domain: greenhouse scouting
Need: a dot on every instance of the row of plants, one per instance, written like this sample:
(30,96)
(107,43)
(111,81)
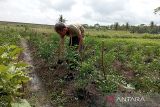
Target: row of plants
(113,64)
(129,63)
(134,63)
(13,70)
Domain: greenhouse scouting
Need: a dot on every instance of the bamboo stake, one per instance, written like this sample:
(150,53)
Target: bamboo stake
(23,90)
(102,56)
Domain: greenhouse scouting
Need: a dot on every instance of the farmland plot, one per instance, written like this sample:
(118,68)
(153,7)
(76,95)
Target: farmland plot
(108,64)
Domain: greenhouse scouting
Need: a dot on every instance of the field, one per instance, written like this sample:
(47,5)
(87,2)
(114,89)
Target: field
(33,68)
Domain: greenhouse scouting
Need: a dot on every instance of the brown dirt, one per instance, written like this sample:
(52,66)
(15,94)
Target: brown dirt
(50,79)
(124,70)
(35,93)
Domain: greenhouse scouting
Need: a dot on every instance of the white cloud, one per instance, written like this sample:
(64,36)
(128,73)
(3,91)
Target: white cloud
(82,11)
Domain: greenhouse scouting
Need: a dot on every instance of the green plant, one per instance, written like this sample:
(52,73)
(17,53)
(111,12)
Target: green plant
(72,58)
(12,74)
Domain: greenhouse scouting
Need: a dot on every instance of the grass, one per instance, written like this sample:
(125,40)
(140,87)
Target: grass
(131,40)
(120,34)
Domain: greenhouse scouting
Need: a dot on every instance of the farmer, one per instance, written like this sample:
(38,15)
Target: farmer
(74,32)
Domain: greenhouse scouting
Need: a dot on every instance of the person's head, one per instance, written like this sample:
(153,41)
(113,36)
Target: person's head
(61,29)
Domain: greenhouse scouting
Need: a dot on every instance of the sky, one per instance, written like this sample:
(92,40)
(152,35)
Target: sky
(103,12)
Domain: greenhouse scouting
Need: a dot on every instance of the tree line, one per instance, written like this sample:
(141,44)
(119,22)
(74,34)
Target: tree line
(152,28)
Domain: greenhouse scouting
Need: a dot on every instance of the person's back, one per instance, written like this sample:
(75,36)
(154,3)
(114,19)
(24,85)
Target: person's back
(74,31)
(79,27)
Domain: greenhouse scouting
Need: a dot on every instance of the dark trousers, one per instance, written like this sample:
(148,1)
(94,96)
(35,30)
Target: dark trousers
(74,41)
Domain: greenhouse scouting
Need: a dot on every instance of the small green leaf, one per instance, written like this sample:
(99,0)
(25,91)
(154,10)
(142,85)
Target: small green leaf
(22,103)
(3,68)
(21,64)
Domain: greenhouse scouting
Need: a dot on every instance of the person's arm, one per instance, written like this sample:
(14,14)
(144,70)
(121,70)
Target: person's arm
(80,41)
(61,48)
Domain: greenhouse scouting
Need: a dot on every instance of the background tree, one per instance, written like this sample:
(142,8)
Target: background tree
(127,26)
(157,10)
(152,24)
(97,26)
(61,19)
(116,25)
(86,25)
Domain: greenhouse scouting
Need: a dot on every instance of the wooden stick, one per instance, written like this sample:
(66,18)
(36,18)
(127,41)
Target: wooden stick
(22,87)
(102,53)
